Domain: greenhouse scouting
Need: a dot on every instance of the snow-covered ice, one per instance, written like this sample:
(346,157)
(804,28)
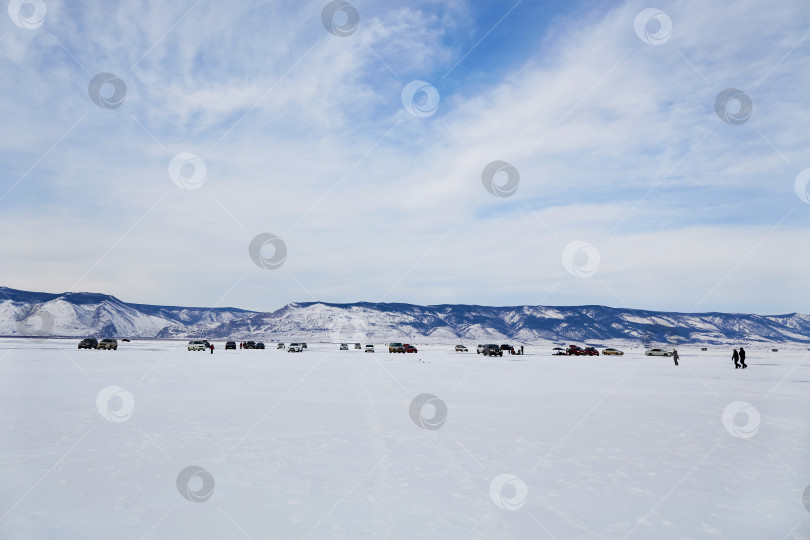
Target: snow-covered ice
(322,444)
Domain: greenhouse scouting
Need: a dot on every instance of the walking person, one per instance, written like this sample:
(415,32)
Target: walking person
(521,349)
(675,356)
(212,348)
(742,358)
(736,358)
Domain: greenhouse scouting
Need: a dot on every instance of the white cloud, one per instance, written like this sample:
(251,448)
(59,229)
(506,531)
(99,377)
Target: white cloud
(613,117)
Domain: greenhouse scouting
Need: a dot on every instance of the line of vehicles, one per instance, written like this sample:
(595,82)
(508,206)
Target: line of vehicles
(108,344)
(204,345)
(576,350)
(490,349)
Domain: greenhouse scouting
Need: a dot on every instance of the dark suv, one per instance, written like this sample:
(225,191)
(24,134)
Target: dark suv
(250,344)
(230,345)
(88,343)
(492,350)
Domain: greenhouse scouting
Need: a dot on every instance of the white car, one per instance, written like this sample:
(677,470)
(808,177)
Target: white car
(197,345)
(461,348)
(295,347)
(479,349)
(369,348)
(280,346)
(344,346)
(657,352)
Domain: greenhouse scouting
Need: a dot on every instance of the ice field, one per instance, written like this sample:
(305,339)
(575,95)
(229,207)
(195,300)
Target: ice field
(152,441)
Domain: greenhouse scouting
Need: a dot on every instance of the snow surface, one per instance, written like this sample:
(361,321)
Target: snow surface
(321,444)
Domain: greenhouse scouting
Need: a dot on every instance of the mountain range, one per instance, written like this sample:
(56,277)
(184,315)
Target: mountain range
(83,314)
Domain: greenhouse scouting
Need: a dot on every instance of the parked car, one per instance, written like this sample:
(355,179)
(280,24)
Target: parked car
(590,351)
(611,351)
(259,345)
(492,350)
(108,344)
(479,349)
(230,345)
(344,346)
(558,351)
(125,340)
(303,345)
(357,346)
(774,350)
(657,352)
(396,347)
(88,343)
(704,348)
(574,350)
(410,348)
(461,348)
(369,348)
(250,345)
(506,347)
(198,345)
(280,346)
(295,347)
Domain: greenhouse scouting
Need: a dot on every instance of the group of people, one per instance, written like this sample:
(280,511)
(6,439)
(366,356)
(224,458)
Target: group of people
(739,359)
(512,350)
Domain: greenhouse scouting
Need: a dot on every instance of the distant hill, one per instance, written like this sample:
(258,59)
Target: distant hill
(91,314)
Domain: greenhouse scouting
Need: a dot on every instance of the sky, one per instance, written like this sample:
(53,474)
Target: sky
(433,152)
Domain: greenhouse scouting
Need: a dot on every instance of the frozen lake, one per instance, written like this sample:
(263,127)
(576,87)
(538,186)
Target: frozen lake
(153,441)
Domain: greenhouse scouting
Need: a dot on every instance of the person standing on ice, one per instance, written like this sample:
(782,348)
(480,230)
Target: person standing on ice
(742,358)
(212,348)
(675,356)
(736,358)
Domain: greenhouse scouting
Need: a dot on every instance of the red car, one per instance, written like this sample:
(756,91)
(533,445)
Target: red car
(590,351)
(574,350)
(410,348)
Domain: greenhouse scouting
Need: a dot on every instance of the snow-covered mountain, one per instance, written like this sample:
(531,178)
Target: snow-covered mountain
(25,313)
(81,314)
